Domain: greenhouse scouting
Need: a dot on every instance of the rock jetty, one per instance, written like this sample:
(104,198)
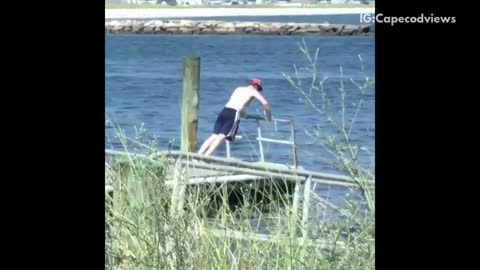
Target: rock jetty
(230,28)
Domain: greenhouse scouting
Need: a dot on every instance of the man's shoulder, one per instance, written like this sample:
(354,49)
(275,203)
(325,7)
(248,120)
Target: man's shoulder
(241,88)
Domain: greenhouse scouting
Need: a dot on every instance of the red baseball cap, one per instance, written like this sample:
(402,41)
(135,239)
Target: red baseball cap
(257,82)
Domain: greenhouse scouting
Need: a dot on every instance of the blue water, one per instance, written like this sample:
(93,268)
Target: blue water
(143,83)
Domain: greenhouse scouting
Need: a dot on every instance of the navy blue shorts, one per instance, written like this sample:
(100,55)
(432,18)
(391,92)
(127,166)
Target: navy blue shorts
(227,123)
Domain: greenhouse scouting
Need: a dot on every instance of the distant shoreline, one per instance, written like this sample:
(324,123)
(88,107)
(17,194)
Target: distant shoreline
(111,14)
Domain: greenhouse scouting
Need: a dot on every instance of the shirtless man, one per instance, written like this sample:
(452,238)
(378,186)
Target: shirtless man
(228,120)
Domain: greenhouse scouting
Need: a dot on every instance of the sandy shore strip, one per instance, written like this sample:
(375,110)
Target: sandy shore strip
(223,12)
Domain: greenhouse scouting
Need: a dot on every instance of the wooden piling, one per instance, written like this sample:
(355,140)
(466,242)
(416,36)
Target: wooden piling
(294,215)
(176,210)
(190,103)
(306,206)
(189,124)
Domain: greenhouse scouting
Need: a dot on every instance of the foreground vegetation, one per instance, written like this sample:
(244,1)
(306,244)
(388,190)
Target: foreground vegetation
(217,226)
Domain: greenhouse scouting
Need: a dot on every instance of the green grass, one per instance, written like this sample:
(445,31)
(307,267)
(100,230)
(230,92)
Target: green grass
(147,6)
(145,233)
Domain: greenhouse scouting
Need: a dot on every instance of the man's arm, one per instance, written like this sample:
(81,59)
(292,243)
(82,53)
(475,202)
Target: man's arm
(265,105)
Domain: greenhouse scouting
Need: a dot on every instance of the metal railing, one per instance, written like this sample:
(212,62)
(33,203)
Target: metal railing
(260,139)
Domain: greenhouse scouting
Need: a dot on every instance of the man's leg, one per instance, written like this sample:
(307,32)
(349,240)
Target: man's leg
(216,142)
(206,144)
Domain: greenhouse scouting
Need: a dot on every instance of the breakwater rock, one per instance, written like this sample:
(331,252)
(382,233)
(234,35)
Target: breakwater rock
(230,28)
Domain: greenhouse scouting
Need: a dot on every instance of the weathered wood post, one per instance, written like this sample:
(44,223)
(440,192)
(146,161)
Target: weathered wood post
(306,204)
(294,221)
(190,103)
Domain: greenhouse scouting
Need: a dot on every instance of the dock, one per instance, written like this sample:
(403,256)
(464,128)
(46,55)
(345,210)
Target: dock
(211,169)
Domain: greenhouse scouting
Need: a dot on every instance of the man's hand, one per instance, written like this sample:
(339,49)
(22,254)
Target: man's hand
(265,105)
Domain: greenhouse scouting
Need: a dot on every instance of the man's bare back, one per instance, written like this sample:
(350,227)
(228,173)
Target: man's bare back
(242,96)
